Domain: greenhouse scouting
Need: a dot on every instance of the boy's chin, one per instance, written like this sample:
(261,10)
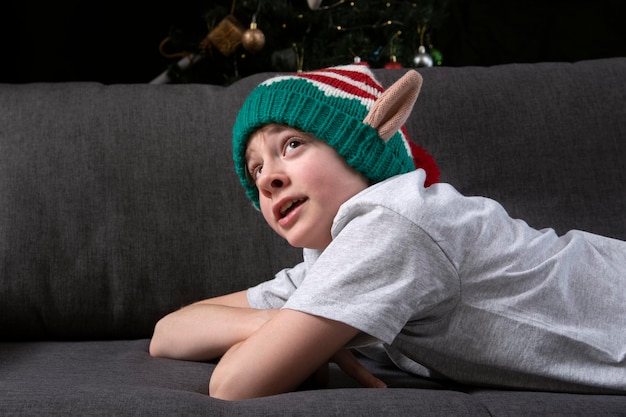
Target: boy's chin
(296,243)
(306,243)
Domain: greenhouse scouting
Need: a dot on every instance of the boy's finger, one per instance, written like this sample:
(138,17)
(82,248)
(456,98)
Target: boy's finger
(354,369)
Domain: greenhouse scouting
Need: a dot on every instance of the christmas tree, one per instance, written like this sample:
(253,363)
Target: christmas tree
(234,39)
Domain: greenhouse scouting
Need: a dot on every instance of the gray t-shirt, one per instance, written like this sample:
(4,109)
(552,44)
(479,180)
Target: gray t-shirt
(452,284)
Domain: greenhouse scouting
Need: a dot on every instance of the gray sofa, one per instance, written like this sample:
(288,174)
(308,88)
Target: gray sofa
(119,204)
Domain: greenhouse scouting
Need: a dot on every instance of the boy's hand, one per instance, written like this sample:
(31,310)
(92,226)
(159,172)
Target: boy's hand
(352,367)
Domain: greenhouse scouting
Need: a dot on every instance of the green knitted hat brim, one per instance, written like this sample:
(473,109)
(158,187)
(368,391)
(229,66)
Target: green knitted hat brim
(336,120)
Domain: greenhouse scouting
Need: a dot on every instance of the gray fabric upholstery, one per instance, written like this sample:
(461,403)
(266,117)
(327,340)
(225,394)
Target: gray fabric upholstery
(546,140)
(119,204)
(120,378)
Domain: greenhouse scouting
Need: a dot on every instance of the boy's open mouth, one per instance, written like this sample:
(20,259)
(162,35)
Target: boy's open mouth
(288,206)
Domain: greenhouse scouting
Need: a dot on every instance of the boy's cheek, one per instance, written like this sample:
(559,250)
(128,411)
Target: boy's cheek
(266,210)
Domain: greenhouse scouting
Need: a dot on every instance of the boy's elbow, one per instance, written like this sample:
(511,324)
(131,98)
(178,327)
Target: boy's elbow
(157,345)
(220,393)
(216,393)
(220,390)
(155,350)
(227,385)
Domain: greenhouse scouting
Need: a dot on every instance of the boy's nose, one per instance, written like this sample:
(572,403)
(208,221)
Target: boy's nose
(271,180)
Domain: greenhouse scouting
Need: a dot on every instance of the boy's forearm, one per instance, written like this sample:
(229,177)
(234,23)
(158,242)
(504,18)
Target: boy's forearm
(279,356)
(204,331)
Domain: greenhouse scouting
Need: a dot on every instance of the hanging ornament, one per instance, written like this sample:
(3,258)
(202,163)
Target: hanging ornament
(226,36)
(393,63)
(317,4)
(422,59)
(437,56)
(253,39)
(314,4)
(356,58)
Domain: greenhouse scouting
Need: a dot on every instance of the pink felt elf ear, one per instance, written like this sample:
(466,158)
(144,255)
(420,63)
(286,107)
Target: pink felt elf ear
(394,106)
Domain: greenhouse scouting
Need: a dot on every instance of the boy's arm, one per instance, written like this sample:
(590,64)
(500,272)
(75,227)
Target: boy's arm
(206,329)
(279,356)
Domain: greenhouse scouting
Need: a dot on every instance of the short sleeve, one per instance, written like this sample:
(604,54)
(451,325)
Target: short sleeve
(274,293)
(380,271)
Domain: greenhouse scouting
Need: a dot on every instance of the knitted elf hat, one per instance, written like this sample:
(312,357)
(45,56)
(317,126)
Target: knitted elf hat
(347,108)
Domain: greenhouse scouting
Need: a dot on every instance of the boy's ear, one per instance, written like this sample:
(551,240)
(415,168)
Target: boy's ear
(394,106)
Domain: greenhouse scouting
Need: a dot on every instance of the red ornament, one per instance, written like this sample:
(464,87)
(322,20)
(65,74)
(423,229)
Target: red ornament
(393,64)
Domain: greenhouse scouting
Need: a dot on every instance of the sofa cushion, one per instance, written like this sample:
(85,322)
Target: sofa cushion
(532,404)
(120,378)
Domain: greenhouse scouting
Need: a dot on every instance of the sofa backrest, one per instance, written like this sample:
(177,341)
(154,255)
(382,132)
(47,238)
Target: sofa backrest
(119,204)
(547,140)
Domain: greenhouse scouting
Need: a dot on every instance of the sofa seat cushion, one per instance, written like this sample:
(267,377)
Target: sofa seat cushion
(121,378)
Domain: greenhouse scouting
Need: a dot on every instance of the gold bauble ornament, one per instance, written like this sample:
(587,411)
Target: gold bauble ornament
(253,39)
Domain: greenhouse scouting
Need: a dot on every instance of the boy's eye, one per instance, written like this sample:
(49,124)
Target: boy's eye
(292,144)
(255,172)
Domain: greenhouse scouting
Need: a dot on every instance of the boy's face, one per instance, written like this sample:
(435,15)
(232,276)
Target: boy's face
(302,181)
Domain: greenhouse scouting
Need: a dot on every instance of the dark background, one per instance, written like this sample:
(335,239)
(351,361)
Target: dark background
(118,42)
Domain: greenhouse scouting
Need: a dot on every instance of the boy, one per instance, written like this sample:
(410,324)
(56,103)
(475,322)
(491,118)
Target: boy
(449,286)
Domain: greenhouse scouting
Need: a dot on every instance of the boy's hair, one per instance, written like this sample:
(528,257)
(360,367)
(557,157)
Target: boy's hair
(330,104)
